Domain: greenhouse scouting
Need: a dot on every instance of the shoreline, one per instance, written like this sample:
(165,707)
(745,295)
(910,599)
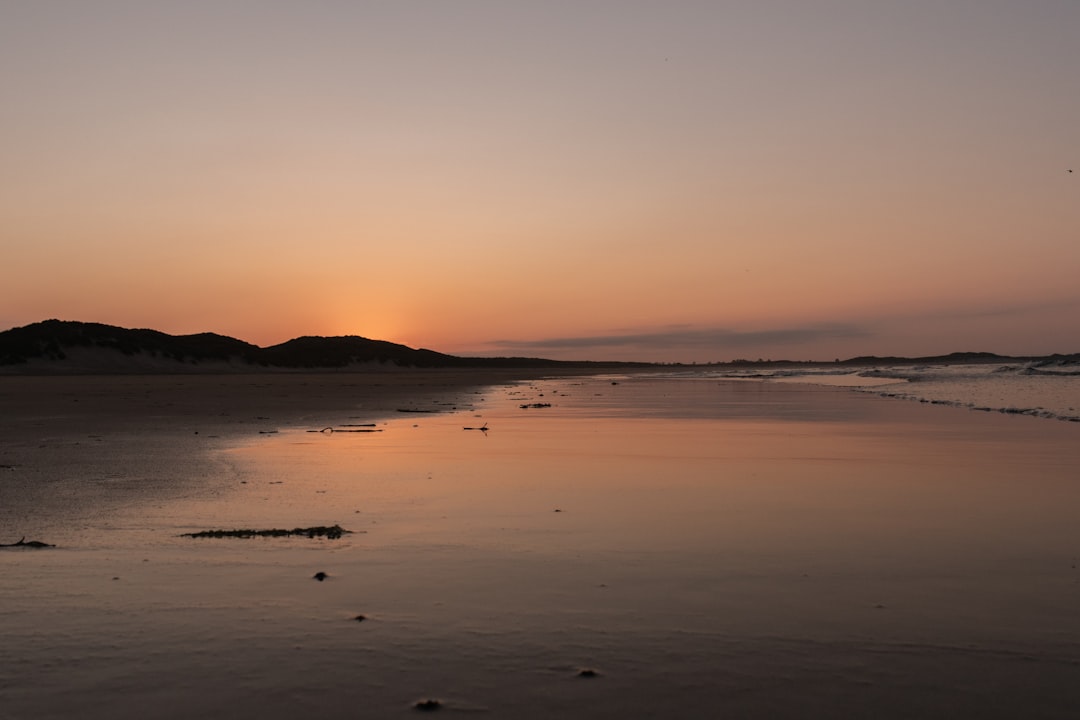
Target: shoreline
(227,402)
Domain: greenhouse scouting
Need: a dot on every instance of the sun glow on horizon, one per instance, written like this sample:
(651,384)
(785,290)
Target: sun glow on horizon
(476,177)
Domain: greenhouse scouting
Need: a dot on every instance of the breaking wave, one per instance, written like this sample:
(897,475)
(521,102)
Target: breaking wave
(1045,389)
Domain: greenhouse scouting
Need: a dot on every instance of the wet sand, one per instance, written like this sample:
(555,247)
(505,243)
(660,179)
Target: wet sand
(74,447)
(705,548)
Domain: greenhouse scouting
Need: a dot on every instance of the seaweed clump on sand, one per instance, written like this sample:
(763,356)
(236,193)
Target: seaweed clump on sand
(24,544)
(331,532)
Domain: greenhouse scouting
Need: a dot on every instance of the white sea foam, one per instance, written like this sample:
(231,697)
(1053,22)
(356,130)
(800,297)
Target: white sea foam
(1048,389)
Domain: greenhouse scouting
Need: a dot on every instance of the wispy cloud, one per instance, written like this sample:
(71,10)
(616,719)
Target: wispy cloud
(691,338)
(1014,309)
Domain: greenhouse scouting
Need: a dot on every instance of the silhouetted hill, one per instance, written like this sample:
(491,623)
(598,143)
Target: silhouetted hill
(956,358)
(967,358)
(963,358)
(54,339)
(78,347)
(336,352)
(55,345)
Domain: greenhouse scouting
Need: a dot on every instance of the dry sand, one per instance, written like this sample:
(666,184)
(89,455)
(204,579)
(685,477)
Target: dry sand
(719,550)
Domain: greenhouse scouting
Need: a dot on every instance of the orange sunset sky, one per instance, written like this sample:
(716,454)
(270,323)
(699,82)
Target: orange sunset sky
(672,181)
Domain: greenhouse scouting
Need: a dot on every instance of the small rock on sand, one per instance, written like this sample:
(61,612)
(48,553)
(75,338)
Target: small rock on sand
(428,705)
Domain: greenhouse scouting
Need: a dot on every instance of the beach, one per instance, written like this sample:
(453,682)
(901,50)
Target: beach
(594,546)
(73,443)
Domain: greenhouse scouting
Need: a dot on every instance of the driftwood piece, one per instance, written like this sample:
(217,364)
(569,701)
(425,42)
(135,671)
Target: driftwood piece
(32,544)
(348,428)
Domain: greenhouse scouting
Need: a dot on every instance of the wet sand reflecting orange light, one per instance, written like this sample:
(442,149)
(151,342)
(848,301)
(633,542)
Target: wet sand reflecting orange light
(791,551)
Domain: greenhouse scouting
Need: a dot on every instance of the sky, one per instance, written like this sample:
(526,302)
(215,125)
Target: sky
(673,181)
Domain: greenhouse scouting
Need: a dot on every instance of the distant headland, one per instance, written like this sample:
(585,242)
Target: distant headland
(59,346)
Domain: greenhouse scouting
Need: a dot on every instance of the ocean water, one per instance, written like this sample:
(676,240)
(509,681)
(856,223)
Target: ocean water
(1045,389)
(603,547)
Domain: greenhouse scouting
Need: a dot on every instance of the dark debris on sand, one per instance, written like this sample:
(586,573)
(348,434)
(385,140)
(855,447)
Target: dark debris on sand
(331,532)
(428,705)
(24,544)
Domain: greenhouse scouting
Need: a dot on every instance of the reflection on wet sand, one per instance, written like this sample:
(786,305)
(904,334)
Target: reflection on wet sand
(700,547)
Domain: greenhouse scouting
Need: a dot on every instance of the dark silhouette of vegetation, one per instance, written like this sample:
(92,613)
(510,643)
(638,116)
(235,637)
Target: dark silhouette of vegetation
(338,352)
(54,340)
(50,345)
